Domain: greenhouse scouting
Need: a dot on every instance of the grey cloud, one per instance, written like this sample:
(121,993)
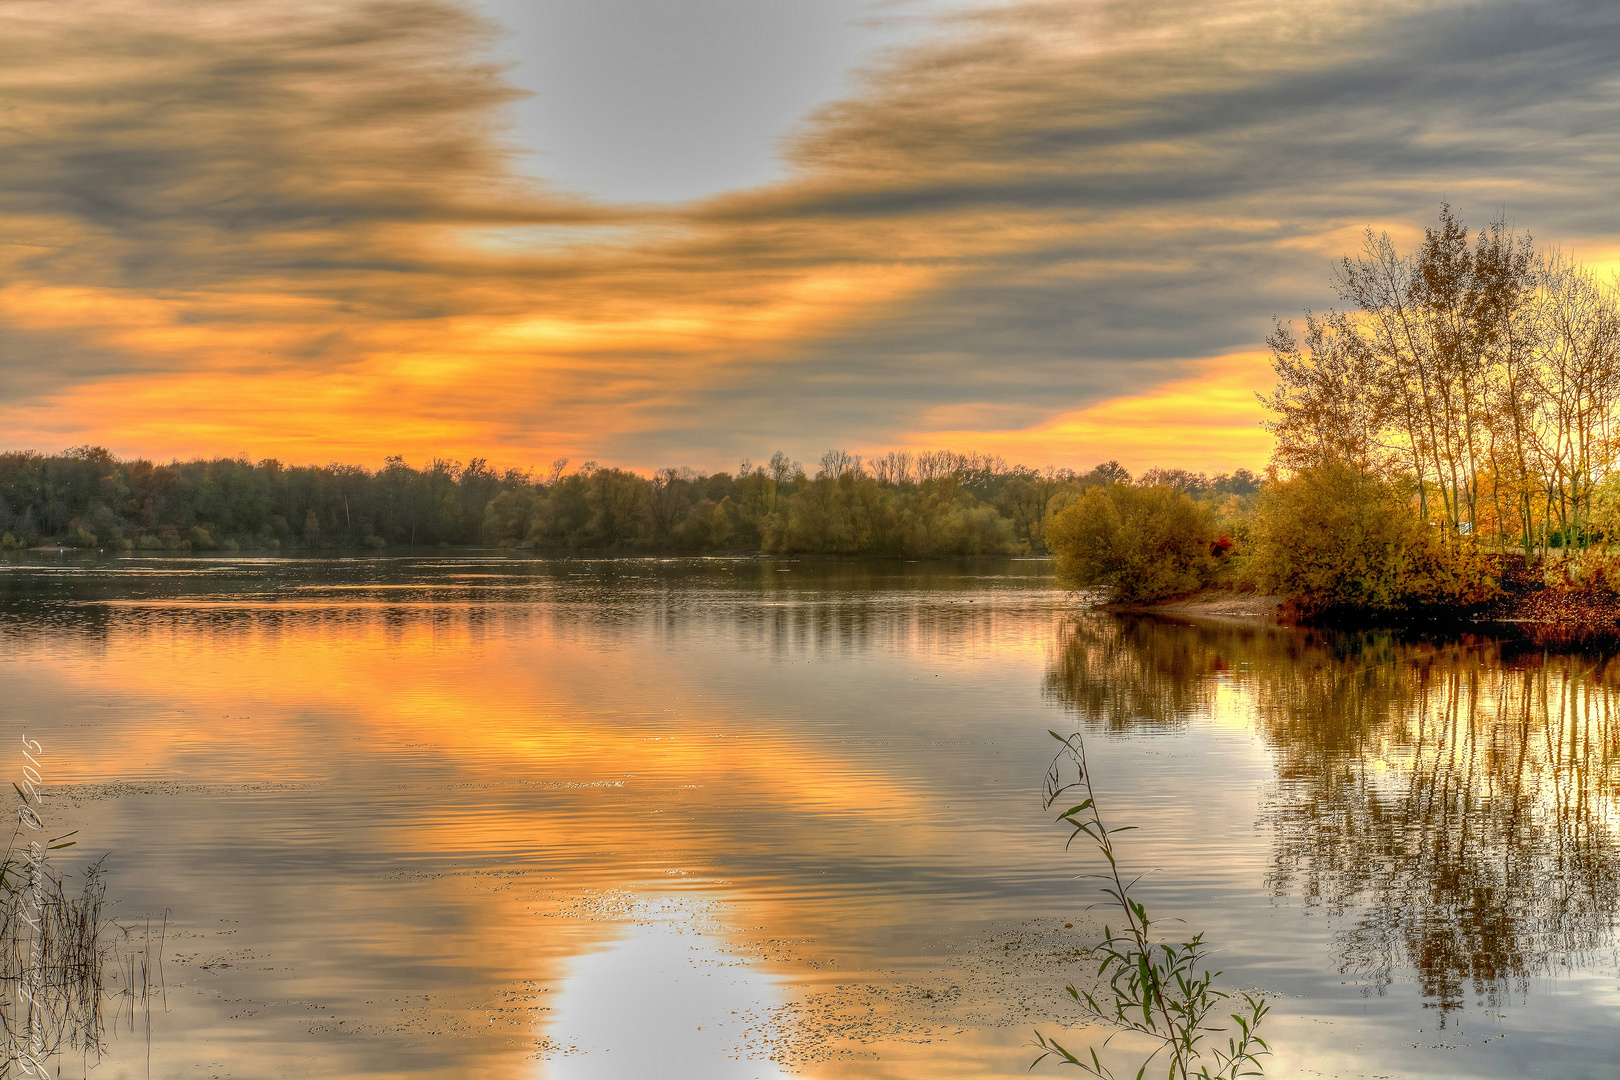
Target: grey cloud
(194,142)
(1097,216)
(1509,106)
(50,362)
(992,124)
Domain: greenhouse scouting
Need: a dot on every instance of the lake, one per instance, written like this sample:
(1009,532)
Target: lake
(455,815)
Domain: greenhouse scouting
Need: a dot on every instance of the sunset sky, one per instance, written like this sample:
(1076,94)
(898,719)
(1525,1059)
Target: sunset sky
(684,232)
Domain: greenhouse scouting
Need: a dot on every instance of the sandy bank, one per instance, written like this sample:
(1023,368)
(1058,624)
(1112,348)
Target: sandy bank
(1533,610)
(1210,604)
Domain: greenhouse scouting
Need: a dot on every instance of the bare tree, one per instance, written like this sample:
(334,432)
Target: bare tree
(1578,376)
(781,469)
(895,467)
(666,501)
(836,464)
(1505,264)
(1332,401)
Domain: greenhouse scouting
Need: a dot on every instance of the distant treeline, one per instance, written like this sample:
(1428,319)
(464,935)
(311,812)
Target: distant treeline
(919,505)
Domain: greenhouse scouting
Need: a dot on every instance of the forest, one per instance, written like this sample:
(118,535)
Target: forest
(917,505)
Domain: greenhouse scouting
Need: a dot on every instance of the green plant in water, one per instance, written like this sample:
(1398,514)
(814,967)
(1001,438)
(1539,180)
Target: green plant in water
(1158,990)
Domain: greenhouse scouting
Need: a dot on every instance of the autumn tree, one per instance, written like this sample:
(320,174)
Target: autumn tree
(1478,373)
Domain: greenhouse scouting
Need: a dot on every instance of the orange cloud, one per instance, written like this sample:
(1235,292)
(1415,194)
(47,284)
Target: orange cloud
(1208,422)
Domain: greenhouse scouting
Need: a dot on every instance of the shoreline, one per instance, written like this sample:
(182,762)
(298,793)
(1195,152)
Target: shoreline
(1221,605)
(1520,612)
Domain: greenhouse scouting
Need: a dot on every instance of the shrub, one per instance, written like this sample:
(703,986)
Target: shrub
(1138,543)
(1334,539)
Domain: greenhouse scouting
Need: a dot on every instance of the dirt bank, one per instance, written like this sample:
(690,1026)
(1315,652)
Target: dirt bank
(1555,608)
(1523,603)
(1211,604)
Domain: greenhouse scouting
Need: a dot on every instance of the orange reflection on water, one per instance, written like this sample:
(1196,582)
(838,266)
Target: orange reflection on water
(487,710)
(518,777)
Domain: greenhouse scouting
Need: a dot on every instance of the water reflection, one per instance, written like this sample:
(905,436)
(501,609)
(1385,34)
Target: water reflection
(1454,803)
(885,606)
(410,814)
(670,998)
(388,798)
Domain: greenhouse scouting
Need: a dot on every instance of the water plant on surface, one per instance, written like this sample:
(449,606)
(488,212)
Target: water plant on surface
(1158,990)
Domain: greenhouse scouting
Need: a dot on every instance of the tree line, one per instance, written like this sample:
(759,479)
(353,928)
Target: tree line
(929,504)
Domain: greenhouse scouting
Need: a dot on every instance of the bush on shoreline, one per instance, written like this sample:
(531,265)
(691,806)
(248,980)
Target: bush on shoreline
(1138,543)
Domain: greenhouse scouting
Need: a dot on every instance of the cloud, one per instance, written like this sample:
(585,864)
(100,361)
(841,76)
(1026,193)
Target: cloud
(296,229)
(1113,187)
(1212,413)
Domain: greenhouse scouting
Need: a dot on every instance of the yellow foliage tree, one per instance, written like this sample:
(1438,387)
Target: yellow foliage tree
(1332,538)
(1137,543)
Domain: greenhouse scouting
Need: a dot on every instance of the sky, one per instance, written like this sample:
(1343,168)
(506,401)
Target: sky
(688,232)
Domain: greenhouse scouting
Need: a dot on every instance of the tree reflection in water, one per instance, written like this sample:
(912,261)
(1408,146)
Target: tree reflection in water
(1456,801)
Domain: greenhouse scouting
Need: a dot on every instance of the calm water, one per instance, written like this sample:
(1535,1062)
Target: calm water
(450,816)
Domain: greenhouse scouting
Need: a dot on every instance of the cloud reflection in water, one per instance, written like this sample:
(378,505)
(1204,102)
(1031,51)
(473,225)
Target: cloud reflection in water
(668,999)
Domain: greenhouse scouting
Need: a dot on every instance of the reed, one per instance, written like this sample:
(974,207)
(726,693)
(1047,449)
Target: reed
(1157,989)
(63,959)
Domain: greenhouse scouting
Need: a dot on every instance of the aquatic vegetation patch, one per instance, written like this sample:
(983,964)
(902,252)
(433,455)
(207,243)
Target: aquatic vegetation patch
(63,959)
